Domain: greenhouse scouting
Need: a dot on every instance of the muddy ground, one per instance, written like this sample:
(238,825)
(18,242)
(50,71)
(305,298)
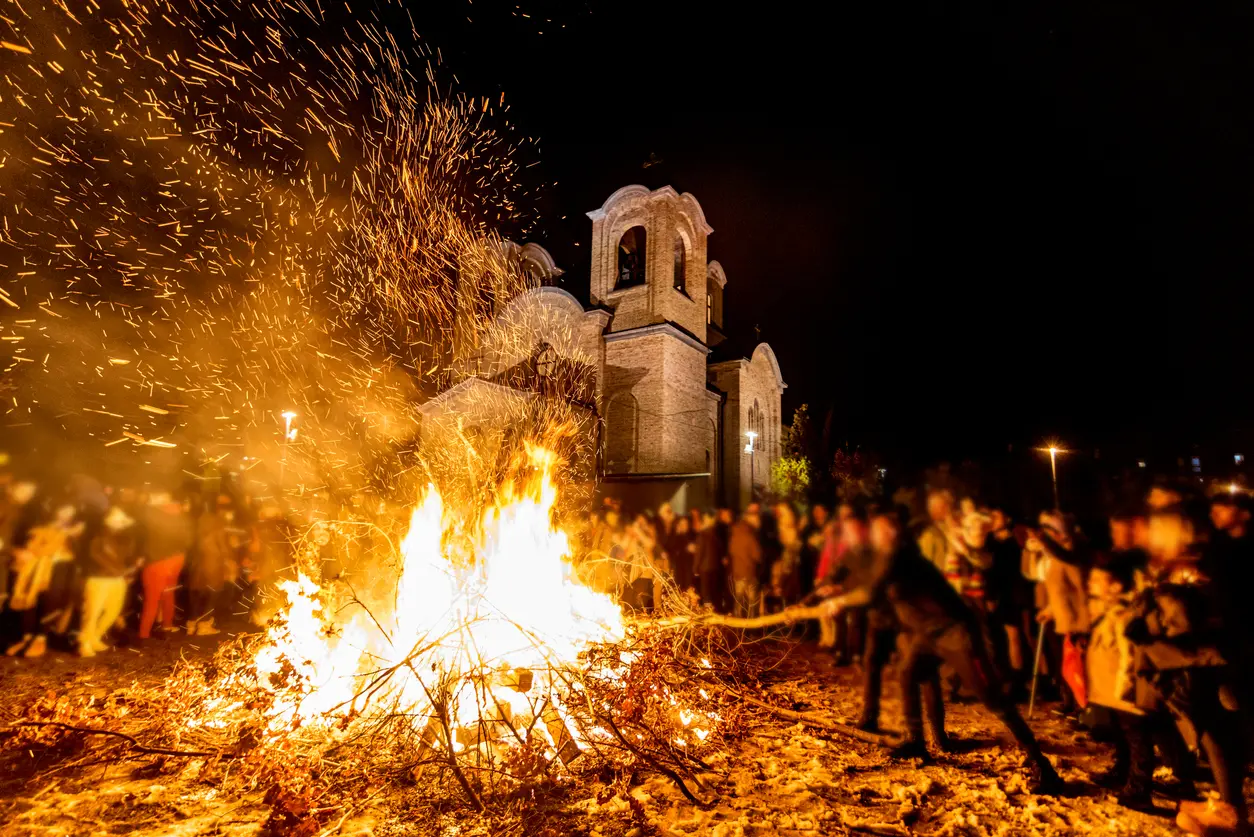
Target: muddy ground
(775,777)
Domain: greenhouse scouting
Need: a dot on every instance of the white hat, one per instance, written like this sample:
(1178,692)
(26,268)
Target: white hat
(117,520)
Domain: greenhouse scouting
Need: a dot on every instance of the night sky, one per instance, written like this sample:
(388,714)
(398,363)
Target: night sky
(959,225)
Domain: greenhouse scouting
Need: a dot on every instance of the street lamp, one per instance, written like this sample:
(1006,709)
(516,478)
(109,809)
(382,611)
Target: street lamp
(752,435)
(289,434)
(1053,451)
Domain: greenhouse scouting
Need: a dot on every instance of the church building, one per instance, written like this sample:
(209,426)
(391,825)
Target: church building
(682,414)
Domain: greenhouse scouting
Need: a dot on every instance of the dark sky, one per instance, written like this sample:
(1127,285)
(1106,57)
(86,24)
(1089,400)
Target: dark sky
(959,224)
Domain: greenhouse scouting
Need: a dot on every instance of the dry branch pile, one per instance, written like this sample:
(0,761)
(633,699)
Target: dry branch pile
(657,702)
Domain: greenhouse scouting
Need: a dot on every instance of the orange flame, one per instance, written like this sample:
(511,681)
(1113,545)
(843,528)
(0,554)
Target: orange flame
(515,612)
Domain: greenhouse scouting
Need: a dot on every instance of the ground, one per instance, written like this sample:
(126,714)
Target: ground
(775,777)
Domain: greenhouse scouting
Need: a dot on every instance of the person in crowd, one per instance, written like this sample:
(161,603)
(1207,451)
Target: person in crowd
(852,572)
(785,581)
(969,558)
(601,564)
(937,536)
(1111,667)
(169,537)
(768,539)
(829,556)
(15,498)
(746,555)
(1228,559)
(664,523)
(1008,597)
(813,536)
(712,560)
(680,547)
(1054,558)
(110,557)
(641,553)
(210,570)
(36,552)
(937,629)
(1177,630)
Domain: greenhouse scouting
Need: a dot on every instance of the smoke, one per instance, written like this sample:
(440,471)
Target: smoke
(216,213)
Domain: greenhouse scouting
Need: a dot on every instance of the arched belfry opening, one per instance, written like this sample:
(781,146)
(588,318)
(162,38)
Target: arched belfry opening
(632,250)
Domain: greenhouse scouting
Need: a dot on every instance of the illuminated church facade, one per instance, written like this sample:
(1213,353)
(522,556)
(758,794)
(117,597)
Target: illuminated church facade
(681,414)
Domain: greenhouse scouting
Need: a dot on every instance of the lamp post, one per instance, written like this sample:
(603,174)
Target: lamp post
(1053,450)
(289,433)
(752,435)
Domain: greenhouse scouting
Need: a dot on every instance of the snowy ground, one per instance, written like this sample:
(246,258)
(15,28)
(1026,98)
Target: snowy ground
(776,778)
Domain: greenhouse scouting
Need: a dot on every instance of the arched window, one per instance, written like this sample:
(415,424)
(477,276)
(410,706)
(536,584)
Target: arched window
(681,265)
(622,430)
(631,258)
(755,425)
(709,309)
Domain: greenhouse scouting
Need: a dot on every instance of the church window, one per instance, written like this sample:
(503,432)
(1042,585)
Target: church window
(709,309)
(631,258)
(756,424)
(681,265)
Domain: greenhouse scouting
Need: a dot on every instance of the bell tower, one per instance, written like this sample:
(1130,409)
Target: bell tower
(649,268)
(649,259)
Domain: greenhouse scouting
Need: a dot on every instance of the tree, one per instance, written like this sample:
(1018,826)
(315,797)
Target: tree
(792,473)
(856,472)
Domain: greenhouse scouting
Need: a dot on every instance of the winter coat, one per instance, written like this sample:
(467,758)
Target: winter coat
(829,561)
(209,570)
(744,551)
(1176,623)
(1007,590)
(32,564)
(110,554)
(1111,659)
(681,554)
(1060,590)
(918,595)
(934,546)
(710,552)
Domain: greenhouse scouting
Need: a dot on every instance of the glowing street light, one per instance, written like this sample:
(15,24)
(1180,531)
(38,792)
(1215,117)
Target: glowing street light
(752,435)
(1053,449)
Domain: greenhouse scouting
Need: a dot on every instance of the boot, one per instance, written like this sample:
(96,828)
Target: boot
(86,648)
(1045,780)
(911,748)
(1136,796)
(868,724)
(1212,818)
(37,648)
(206,628)
(18,647)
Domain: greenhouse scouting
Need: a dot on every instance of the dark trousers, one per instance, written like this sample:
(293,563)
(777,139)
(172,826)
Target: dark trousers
(961,648)
(1134,752)
(711,585)
(878,650)
(856,633)
(1192,696)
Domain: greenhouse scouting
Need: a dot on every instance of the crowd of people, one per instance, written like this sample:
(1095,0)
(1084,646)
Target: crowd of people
(1138,632)
(87,568)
